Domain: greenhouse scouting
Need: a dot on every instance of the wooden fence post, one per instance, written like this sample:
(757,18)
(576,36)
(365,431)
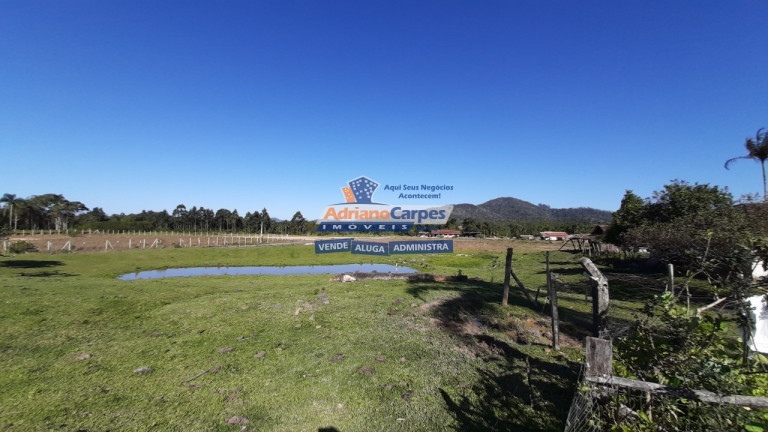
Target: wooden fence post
(507,271)
(671,270)
(600,299)
(599,357)
(553,303)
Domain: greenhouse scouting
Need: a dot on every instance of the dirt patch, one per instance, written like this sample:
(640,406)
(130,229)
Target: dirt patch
(453,316)
(426,307)
(427,277)
(372,275)
(536,331)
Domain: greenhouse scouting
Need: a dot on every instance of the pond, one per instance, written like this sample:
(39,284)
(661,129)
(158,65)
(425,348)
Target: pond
(266,270)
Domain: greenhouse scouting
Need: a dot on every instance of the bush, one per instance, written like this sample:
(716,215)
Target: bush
(21,247)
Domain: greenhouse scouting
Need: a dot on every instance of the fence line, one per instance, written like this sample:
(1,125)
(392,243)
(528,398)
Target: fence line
(112,242)
(603,400)
(184,233)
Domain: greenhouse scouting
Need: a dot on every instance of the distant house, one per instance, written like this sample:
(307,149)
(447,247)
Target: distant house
(554,235)
(526,237)
(445,233)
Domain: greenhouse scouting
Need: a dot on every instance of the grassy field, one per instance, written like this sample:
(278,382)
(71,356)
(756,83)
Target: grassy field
(81,350)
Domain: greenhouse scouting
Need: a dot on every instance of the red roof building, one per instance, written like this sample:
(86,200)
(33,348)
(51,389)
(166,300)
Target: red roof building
(554,235)
(445,233)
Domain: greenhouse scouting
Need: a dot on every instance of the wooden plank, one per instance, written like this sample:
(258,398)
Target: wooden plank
(522,287)
(682,393)
(599,357)
(600,298)
(509,272)
(709,306)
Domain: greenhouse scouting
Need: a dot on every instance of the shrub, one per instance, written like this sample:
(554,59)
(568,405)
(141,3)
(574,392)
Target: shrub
(21,247)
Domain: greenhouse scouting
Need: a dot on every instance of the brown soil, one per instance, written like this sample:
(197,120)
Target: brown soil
(522,331)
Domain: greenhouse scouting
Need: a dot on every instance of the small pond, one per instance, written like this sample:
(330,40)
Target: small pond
(266,270)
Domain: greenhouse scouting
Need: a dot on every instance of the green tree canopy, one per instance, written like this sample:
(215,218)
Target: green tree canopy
(694,226)
(757,150)
(297,225)
(629,214)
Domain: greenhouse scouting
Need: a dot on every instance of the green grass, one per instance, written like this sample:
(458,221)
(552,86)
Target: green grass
(54,308)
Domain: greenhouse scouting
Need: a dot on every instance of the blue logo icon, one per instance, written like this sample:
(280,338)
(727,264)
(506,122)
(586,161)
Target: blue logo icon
(360,190)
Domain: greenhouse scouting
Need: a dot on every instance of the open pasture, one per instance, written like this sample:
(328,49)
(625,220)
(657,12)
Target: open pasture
(81,350)
(48,241)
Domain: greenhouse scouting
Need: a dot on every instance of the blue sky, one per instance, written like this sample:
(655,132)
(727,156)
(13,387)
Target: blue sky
(131,105)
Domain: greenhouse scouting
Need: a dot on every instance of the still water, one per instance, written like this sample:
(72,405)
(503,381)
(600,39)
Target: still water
(266,270)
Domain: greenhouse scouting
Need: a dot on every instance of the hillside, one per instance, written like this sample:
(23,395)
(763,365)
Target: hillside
(508,208)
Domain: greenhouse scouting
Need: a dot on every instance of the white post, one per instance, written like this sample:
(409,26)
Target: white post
(671,270)
(144,243)
(129,243)
(49,246)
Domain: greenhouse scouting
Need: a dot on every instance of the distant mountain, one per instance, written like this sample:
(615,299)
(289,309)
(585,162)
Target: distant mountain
(508,208)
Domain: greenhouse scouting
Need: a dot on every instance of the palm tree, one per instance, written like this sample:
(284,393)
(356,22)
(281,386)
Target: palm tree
(757,150)
(9,200)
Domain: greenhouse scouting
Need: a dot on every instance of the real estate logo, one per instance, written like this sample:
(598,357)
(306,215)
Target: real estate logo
(359,213)
(360,190)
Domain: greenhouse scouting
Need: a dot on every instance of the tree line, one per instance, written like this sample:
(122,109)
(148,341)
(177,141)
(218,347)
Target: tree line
(55,212)
(516,228)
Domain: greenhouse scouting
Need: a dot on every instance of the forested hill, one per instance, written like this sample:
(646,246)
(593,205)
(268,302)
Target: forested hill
(508,208)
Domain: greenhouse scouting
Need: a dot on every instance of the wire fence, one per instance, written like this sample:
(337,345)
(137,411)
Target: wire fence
(604,402)
(611,406)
